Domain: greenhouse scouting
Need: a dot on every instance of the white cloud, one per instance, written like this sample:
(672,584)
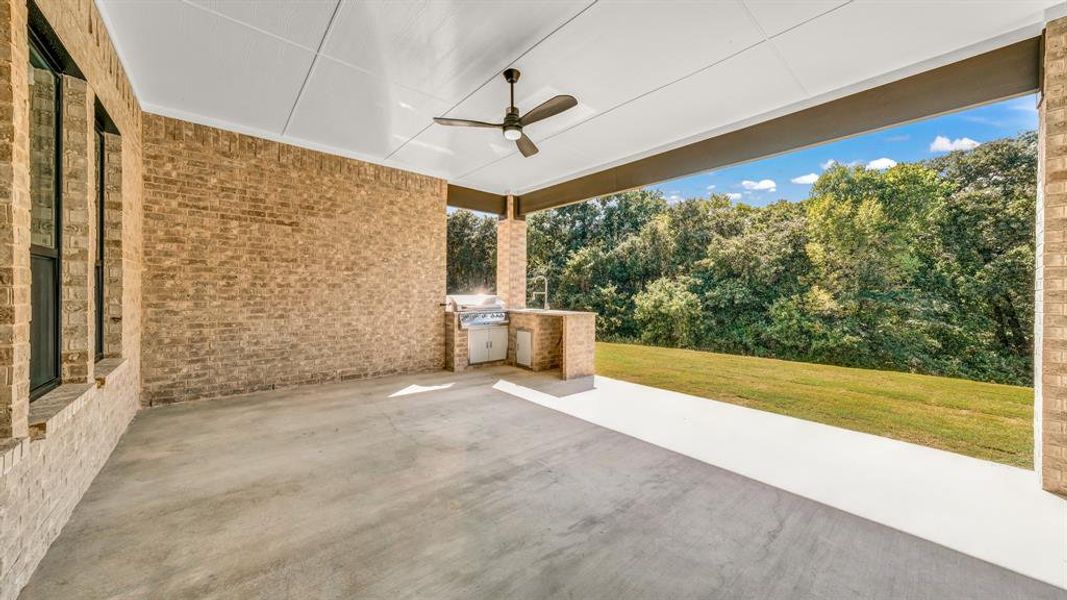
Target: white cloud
(881,164)
(763,185)
(711,187)
(829,163)
(808,179)
(733,195)
(943,144)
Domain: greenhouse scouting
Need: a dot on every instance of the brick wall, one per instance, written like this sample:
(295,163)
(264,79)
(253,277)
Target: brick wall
(579,345)
(48,476)
(547,334)
(511,257)
(79,232)
(563,340)
(41,480)
(15,207)
(1050,359)
(269,265)
(457,344)
(113,253)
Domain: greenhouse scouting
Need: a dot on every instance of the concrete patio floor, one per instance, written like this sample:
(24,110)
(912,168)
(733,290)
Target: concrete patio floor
(443,486)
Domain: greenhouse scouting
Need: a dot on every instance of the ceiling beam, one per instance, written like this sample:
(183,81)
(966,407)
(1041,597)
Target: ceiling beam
(461,197)
(996,75)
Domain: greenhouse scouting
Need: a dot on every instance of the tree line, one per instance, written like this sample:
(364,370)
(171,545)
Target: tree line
(924,267)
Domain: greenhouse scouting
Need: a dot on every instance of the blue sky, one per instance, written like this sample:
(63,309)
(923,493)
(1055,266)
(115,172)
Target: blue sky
(788,176)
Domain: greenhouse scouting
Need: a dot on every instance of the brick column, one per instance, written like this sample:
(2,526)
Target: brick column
(14,221)
(113,269)
(1050,323)
(511,257)
(79,225)
(579,346)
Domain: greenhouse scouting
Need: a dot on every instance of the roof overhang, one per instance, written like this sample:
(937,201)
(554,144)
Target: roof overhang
(999,74)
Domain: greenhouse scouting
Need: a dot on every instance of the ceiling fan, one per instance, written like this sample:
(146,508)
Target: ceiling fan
(513,123)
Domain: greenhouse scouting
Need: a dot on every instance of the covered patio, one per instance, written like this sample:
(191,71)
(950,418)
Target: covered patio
(228,367)
(452,485)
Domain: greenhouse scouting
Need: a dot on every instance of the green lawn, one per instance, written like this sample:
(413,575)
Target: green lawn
(984,420)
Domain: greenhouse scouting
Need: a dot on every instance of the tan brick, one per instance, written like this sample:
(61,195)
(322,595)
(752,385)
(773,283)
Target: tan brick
(511,257)
(547,336)
(268,265)
(579,341)
(41,481)
(79,205)
(1050,364)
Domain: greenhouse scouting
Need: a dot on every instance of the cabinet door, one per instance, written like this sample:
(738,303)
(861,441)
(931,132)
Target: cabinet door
(524,348)
(498,343)
(478,345)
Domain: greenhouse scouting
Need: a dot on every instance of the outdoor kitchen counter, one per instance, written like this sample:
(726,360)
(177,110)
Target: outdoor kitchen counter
(561,339)
(547,313)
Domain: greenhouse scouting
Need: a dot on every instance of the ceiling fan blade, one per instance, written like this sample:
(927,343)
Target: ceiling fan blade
(526,146)
(548,108)
(463,122)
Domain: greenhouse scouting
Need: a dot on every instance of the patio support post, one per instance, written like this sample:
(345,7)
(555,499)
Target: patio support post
(14,221)
(1050,319)
(511,256)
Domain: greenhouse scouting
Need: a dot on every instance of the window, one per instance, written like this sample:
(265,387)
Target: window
(45,211)
(99,267)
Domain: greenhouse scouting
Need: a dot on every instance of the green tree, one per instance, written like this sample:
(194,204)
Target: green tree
(668,313)
(471,251)
(745,274)
(866,231)
(985,257)
(554,235)
(925,267)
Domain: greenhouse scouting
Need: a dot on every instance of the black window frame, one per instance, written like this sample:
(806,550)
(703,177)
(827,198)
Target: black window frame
(37,45)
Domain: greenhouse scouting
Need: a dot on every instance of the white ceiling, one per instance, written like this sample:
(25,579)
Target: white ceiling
(363,78)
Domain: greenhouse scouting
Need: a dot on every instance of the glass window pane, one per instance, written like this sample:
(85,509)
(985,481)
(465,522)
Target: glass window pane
(43,323)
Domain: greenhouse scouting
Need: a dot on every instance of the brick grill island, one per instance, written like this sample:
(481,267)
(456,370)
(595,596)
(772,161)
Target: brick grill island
(559,339)
(562,339)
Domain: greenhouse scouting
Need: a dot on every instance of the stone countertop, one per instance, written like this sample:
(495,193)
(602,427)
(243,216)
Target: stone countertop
(549,313)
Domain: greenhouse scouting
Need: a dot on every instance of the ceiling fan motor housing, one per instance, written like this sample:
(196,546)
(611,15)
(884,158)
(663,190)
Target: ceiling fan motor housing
(512,126)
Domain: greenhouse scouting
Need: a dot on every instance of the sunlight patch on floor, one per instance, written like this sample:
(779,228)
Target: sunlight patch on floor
(418,389)
(988,510)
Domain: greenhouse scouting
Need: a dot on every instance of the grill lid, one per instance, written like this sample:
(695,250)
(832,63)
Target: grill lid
(472,302)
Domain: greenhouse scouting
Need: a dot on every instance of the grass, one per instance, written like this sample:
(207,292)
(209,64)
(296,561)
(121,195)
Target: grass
(984,420)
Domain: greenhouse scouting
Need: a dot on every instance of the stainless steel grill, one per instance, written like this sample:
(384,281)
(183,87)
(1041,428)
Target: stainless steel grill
(477,310)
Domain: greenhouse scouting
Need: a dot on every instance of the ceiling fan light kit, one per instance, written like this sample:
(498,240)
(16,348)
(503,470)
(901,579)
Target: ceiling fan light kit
(513,123)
